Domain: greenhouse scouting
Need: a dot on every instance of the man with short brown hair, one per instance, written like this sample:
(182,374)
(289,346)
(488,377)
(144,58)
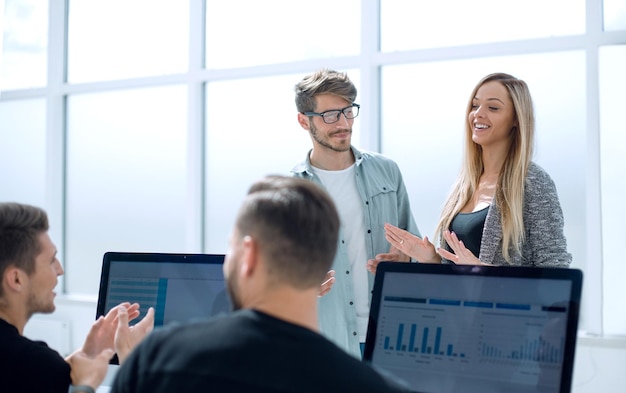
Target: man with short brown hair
(282,244)
(29,270)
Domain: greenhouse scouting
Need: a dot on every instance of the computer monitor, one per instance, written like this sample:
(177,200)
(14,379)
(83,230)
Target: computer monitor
(449,329)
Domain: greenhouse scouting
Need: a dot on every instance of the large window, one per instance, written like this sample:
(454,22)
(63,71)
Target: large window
(23,160)
(149,37)
(407,24)
(247,33)
(140,125)
(126,177)
(24,48)
(614,15)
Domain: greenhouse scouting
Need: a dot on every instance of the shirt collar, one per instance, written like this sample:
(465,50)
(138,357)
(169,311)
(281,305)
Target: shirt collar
(306,167)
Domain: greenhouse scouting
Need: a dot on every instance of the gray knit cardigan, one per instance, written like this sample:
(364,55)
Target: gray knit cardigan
(544,243)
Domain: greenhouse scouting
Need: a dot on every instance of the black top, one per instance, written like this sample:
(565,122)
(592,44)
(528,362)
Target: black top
(468,227)
(246,351)
(30,366)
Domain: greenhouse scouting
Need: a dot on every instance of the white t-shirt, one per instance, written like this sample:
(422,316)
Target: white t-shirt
(341,185)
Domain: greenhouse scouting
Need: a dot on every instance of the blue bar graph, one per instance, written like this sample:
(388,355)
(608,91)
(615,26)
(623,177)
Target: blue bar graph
(427,345)
(425,340)
(536,350)
(437,341)
(412,339)
(399,340)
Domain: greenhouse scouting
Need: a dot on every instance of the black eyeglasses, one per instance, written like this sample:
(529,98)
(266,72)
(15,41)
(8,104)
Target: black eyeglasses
(332,116)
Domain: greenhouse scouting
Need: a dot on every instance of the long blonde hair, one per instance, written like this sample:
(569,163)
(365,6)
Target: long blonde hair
(509,195)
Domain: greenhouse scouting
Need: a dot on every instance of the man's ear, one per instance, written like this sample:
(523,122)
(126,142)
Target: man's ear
(303,120)
(13,279)
(249,257)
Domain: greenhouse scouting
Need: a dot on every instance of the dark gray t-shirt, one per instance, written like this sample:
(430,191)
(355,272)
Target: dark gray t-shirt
(468,227)
(245,351)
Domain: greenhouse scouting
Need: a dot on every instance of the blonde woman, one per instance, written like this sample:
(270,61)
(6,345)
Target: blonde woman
(504,208)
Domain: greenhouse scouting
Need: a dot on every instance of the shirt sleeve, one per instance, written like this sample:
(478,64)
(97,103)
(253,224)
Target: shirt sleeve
(545,242)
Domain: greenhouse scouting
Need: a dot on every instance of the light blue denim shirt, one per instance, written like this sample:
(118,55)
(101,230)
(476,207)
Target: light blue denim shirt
(385,200)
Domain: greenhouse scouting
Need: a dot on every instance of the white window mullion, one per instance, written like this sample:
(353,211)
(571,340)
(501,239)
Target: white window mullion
(195,128)
(55,123)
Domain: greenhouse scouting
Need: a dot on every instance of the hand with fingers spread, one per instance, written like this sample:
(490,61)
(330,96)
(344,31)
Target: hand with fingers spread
(327,284)
(422,250)
(102,333)
(460,255)
(128,337)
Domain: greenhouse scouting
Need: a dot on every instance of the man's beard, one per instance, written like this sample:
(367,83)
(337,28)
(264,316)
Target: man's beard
(326,142)
(37,306)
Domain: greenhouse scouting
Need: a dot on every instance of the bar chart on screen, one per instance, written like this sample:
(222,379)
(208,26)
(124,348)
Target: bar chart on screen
(426,340)
(471,337)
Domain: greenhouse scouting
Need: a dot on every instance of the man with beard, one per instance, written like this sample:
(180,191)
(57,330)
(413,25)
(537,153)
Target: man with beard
(368,191)
(282,245)
(29,271)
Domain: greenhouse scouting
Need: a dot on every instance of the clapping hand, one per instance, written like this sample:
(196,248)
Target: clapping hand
(460,255)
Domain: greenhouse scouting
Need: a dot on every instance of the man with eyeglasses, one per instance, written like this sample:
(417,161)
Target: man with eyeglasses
(368,190)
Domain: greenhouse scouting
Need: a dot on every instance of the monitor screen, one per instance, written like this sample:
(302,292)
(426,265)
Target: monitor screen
(180,287)
(497,329)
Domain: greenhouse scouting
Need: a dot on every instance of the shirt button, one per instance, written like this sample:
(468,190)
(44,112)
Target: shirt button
(354,333)
(347,271)
(369,231)
(343,242)
(351,303)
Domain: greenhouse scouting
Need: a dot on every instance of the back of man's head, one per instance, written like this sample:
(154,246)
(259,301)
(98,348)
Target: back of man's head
(296,226)
(20,227)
